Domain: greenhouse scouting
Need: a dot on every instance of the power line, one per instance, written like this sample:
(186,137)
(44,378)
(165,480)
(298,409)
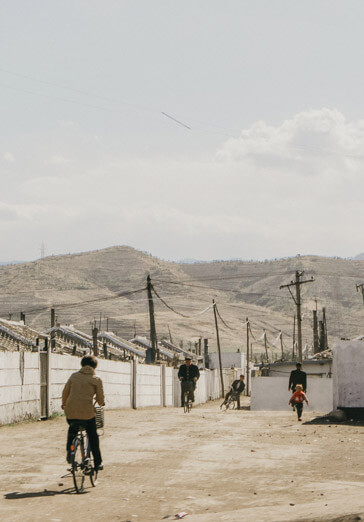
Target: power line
(73,305)
(175,311)
(222,320)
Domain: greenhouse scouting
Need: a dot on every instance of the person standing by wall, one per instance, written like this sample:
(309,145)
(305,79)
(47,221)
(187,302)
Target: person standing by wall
(297,376)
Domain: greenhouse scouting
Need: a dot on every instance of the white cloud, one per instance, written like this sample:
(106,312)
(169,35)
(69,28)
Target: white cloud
(311,143)
(8,156)
(274,191)
(57,159)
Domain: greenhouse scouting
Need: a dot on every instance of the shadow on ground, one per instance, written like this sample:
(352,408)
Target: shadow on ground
(344,518)
(15,495)
(327,419)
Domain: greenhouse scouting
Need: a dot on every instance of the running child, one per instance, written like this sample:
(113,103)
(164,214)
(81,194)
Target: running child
(297,400)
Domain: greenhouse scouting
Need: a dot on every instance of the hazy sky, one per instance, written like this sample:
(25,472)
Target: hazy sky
(272,90)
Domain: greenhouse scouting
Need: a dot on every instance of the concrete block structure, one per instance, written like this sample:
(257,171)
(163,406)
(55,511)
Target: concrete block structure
(348,375)
(19,386)
(31,384)
(271,394)
(228,359)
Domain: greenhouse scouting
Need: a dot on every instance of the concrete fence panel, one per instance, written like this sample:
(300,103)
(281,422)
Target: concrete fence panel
(148,385)
(271,394)
(169,386)
(61,368)
(116,378)
(348,371)
(31,384)
(19,386)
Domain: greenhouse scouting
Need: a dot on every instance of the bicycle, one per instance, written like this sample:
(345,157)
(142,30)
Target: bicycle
(187,389)
(81,461)
(231,401)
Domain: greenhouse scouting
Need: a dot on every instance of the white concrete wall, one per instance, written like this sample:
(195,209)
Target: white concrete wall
(348,374)
(228,360)
(19,389)
(61,368)
(116,377)
(20,384)
(271,394)
(148,385)
(317,369)
(169,386)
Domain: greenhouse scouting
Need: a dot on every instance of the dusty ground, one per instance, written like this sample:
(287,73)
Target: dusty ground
(232,466)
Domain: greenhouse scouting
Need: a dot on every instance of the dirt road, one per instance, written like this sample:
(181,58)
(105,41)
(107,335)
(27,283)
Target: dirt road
(232,466)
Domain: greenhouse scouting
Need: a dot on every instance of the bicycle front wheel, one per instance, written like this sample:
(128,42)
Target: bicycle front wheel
(93,478)
(77,465)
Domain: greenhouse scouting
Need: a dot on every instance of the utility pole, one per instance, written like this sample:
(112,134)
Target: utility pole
(315,333)
(297,283)
(265,346)
(321,336)
(247,356)
(218,348)
(53,318)
(325,326)
(170,335)
(294,336)
(151,354)
(53,324)
(360,288)
(94,341)
(281,339)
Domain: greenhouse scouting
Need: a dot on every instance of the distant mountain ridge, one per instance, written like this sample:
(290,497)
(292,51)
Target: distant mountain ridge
(86,288)
(2,263)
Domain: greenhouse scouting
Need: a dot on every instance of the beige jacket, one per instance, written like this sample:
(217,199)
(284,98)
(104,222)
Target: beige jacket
(78,394)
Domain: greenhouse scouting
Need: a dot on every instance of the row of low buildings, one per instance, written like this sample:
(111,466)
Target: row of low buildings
(65,339)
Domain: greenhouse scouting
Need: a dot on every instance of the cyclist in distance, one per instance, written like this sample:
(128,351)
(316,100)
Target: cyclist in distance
(237,387)
(188,372)
(77,403)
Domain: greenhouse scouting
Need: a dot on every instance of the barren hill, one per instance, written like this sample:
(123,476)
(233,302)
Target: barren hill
(83,286)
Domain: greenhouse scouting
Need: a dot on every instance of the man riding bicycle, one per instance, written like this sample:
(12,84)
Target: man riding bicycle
(188,372)
(77,403)
(236,389)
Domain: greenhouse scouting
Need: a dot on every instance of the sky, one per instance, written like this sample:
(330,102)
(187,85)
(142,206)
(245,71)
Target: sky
(265,160)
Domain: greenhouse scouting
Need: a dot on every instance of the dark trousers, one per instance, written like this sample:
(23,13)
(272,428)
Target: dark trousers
(190,387)
(299,408)
(237,396)
(91,430)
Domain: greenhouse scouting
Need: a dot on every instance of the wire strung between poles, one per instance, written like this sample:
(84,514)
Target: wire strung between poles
(175,311)
(222,320)
(100,299)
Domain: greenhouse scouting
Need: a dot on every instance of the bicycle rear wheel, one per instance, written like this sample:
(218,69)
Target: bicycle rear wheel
(77,464)
(186,400)
(90,470)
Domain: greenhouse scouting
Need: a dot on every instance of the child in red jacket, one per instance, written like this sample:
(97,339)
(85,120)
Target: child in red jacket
(297,400)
